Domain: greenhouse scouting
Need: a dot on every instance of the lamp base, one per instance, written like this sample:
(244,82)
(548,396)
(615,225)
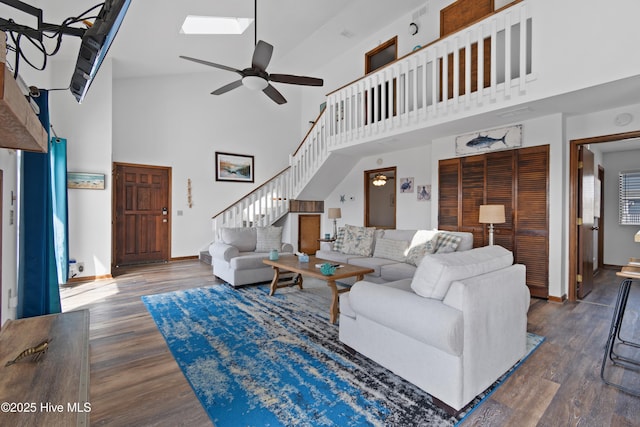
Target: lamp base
(490,234)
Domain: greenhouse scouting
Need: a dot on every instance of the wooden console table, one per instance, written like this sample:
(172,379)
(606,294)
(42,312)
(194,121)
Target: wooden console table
(54,391)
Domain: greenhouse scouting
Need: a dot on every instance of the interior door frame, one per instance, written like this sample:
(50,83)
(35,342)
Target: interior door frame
(573,200)
(367,173)
(113,207)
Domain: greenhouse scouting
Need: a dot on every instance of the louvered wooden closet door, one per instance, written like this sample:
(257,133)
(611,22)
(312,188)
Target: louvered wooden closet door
(500,191)
(517,179)
(532,217)
(472,171)
(449,171)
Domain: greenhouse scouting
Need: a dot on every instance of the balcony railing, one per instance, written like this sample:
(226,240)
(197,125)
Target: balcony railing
(487,63)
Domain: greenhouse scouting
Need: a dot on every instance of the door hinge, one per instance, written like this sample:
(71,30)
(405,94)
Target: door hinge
(579,278)
(580,165)
(579,221)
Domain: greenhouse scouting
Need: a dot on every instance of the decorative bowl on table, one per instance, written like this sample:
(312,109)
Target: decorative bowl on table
(327,269)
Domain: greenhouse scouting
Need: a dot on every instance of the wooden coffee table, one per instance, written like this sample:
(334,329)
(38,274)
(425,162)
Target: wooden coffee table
(290,263)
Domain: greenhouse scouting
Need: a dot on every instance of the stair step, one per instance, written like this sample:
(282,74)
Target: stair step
(205,257)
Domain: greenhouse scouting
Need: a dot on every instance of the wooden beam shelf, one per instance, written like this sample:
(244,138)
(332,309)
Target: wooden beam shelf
(20,128)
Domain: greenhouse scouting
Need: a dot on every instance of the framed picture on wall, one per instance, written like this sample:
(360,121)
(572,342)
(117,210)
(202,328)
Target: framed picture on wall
(234,167)
(85,180)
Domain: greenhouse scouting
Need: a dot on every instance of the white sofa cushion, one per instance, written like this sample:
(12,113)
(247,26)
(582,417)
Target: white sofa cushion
(268,238)
(243,238)
(425,320)
(395,250)
(436,272)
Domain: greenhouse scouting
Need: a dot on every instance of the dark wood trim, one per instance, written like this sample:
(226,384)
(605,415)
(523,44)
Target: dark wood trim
(601,229)
(560,300)
(393,41)
(184,258)
(573,199)
(83,279)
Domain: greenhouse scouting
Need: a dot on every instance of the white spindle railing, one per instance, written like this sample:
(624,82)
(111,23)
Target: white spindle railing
(409,93)
(263,206)
(415,90)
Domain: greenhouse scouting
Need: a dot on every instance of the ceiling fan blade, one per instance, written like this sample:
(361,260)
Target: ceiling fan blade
(212,64)
(296,80)
(227,88)
(273,93)
(262,55)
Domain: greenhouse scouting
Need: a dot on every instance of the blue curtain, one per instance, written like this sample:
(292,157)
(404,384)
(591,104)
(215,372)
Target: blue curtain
(43,231)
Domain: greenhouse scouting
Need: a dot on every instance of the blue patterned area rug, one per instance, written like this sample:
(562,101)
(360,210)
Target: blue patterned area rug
(255,360)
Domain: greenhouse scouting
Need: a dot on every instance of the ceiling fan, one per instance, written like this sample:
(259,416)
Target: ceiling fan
(256,76)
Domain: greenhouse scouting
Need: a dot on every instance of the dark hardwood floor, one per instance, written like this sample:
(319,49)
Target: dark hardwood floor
(135,380)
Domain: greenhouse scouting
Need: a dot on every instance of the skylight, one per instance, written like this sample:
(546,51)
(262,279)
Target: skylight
(194,24)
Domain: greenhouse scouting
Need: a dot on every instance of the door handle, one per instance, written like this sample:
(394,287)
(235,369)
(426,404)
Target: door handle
(595,228)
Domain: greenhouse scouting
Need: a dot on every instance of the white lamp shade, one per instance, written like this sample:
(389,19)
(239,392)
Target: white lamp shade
(491,214)
(637,237)
(335,213)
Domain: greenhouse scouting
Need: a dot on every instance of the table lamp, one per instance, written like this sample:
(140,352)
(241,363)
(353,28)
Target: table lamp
(637,237)
(491,214)
(334,214)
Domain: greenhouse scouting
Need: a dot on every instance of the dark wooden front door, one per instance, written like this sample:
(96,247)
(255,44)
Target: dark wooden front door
(308,233)
(142,215)
(586,225)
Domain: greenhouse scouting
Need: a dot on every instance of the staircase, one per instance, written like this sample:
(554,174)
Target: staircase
(412,93)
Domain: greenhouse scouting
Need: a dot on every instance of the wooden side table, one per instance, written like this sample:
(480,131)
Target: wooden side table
(630,273)
(54,391)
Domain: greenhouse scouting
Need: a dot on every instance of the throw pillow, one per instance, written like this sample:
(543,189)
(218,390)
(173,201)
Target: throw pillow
(268,238)
(416,253)
(358,240)
(391,249)
(447,242)
(243,238)
(339,242)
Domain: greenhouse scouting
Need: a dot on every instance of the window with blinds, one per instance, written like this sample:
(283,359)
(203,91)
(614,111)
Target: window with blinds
(629,208)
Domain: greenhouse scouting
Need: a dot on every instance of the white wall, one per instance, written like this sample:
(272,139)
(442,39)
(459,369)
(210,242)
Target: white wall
(9,233)
(174,121)
(619,245)
(88,130)
(410,213)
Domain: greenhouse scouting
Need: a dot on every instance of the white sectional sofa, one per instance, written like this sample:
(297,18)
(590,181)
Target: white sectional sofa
(452,330)
(238,252)
(392,254)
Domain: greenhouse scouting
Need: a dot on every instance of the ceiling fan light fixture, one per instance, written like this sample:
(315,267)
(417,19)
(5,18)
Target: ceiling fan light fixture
(379,180)
(195,24)
(255,82)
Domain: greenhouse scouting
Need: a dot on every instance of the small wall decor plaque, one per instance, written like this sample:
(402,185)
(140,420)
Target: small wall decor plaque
(489,140)
(84,180)
(406,185)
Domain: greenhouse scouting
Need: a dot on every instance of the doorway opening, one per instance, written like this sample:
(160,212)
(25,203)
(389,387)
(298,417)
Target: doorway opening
(380,198)
(577,256)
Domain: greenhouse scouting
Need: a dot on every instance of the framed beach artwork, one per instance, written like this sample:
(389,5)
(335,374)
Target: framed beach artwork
(84,180)
(234,167)
(489,140)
